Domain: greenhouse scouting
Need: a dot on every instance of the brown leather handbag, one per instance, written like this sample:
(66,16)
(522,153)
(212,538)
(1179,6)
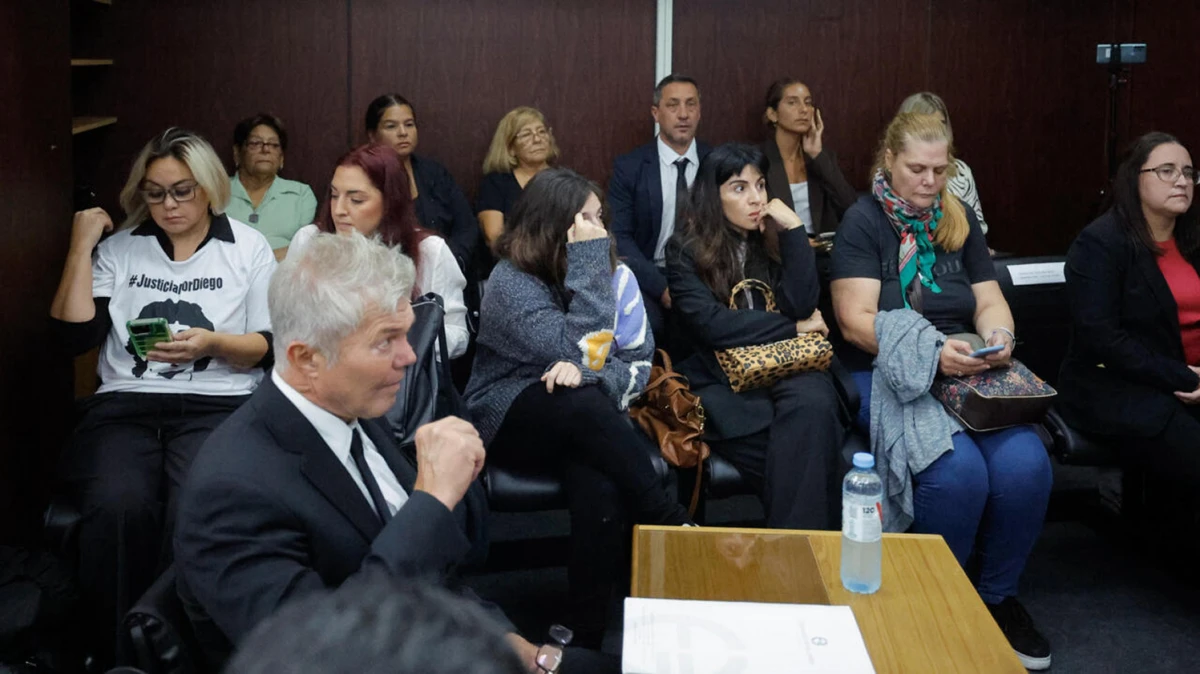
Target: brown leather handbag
(761,365)
(671,414)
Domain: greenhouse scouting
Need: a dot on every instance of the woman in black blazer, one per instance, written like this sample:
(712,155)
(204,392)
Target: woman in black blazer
(803,174)
(1131,369)
(441,205)
(785,439)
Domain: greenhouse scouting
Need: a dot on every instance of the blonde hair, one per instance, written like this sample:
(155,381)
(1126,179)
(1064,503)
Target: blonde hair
(500,156)
(927,103)
(954,227)
(195,153)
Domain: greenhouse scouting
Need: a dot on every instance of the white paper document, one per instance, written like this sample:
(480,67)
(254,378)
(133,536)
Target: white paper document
(671,636)
(1037,273)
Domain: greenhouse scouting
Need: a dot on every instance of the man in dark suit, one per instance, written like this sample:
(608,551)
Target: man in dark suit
(648,186)
(297,491)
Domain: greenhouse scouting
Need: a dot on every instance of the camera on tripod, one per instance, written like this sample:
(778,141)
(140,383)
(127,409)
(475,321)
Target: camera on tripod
(1127,52)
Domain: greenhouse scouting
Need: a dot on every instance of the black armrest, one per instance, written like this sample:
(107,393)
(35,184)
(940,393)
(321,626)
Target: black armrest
(1074,447)
(59,525)
(159,632)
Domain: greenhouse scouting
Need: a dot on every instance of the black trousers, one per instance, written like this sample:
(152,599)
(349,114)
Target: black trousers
(604,461)
(795,464)
(123,468)
(1174,454)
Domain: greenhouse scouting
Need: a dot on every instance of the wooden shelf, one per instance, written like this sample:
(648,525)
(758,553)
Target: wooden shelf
(82,124)
(91,62)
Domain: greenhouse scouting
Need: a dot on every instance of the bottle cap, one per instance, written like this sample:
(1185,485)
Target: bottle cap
(864,460)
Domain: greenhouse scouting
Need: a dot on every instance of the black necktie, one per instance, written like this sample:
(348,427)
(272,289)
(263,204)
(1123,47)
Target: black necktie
(681,188)
(368,478)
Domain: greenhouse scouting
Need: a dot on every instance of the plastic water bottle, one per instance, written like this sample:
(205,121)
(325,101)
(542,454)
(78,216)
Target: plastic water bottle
(862,526)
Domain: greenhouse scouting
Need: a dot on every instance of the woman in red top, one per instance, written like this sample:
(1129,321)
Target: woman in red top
(1133,367)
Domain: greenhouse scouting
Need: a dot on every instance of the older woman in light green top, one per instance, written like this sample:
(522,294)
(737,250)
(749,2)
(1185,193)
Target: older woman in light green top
(275,206)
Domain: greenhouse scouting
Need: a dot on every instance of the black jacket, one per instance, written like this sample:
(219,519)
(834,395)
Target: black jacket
(1125,319)
(711,325)
(829,195)
(442,207)
(635,201)
(268,514)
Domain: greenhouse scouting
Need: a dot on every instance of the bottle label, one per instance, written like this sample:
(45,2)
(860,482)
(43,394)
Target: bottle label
(862,521)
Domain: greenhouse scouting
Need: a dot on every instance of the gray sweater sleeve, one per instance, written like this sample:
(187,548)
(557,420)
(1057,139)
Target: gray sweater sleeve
(528,326)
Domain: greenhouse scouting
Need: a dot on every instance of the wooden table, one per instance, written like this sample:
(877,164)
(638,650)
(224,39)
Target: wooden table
(926,617)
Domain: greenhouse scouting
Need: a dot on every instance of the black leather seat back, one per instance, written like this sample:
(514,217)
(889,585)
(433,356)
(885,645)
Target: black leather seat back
(1041,315)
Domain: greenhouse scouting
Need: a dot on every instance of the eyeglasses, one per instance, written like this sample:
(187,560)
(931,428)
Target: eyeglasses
(1169,173)
(528,134)
(180,192)
(550,656)
(256,145)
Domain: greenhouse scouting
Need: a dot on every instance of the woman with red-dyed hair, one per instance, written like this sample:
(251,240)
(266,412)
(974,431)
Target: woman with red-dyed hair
(370,193)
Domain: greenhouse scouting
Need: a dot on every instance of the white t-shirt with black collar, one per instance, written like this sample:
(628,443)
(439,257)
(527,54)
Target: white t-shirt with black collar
(222,287)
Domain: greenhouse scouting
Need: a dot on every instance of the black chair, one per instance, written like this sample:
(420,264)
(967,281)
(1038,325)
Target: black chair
(60,525)
(516,488)
(159,635)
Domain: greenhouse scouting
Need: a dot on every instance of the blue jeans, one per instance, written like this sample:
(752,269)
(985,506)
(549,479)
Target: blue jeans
(991,490)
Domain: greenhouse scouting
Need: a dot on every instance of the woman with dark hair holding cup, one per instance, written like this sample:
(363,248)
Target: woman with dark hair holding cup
(551,384)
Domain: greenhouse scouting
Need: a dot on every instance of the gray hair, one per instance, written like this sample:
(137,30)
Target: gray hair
(378,625)
(320,294)
(195,153)
(927,103)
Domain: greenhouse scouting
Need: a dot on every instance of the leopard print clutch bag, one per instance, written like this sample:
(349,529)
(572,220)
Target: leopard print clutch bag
(751,367)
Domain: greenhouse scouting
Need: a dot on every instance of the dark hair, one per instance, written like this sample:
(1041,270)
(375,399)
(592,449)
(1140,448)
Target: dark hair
(673,78)
(775,95)
(1127,201)
(535,233)
(377,107)
(241,132)
(378,626)
(707,233)
(386,172)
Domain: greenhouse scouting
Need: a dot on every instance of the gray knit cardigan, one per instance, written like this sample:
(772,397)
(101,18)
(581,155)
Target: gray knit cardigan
(524,330)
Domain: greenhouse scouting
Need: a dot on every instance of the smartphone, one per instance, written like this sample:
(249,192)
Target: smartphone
(987,350)
(146,332)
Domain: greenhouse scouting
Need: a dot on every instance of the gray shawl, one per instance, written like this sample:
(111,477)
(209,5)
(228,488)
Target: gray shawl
(909,428)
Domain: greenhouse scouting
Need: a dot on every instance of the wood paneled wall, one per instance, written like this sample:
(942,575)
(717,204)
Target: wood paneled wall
(1027,100)
(35,223)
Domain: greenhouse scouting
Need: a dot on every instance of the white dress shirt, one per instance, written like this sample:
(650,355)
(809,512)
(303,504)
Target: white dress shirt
(337,436)
(801,201)
(670,176)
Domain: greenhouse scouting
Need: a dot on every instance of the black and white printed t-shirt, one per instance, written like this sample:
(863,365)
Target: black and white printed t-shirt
(222,287)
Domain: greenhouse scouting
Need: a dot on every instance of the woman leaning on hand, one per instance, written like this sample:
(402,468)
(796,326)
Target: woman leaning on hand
(178,259)
(913,287)
(552,381)
(803,173)
(1133,366)
(786,439)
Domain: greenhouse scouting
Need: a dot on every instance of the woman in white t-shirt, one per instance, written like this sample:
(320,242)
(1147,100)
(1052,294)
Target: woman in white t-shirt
(370,192)
(176,258)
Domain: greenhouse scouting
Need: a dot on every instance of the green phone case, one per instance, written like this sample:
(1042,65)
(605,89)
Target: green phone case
(146,332)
